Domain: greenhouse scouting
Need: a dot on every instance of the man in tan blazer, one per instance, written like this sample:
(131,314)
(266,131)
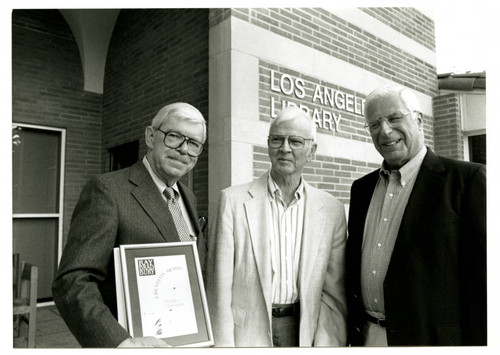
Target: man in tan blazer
(276,252)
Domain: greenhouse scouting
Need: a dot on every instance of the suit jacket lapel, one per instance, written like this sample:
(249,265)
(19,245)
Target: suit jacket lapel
(314,221)
(428,183)
(190,203)
(147,195)
(257,214)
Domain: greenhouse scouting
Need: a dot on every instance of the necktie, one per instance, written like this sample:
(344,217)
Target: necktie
(175,210)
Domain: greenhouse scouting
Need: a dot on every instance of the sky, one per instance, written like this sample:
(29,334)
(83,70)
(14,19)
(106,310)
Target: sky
(461,39)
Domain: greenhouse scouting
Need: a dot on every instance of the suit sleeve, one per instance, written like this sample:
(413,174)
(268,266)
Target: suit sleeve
(83,269)
(473,258)
(220,273)
(332,326)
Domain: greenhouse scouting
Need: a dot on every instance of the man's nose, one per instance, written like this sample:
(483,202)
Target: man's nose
(285,147)
(183,148)
(385,127)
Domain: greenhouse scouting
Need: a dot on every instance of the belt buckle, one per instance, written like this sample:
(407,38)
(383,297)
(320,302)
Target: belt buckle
(280,311)
(379,321)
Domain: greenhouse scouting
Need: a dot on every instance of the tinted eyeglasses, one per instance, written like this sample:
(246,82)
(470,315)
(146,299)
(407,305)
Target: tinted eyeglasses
(295,142)
(174,140)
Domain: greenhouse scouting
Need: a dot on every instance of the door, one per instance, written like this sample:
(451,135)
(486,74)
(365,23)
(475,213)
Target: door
(37,185)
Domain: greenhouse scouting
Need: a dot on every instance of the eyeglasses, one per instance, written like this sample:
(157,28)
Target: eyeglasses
(392,120)
(295,142)
(174,140)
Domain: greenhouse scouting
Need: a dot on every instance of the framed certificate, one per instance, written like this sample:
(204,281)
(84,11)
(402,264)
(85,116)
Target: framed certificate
(164,295)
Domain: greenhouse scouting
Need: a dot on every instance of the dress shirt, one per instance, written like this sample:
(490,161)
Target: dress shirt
(286,237)
(161,185)
(382,224)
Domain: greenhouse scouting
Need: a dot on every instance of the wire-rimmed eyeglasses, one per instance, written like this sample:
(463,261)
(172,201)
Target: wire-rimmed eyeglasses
(373,126)
(174,140)
(295,142)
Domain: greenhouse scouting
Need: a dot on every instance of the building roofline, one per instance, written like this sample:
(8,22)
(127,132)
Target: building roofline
(462,82)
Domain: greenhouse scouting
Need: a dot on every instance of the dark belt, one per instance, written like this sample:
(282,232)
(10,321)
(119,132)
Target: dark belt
(381,322)
(286,310)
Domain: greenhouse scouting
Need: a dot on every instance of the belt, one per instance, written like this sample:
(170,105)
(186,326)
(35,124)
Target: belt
(381,322)
(286,310)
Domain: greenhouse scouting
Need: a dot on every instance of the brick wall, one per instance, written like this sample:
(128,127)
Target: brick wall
(156,57)
(351,121)
(408,21)
(47,89)
(351,126)
(448,126)
(334,175)
(325,32)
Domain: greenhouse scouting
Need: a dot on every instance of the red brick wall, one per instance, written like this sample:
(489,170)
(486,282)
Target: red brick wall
(156,57)
(448,126)
(47,89)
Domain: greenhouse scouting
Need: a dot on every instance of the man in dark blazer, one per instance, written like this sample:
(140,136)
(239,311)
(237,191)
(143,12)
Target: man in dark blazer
(127,207)
(416,250)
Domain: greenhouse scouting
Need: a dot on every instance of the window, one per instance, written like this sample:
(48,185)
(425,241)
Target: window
(124,155)
(477,148)
(37,185)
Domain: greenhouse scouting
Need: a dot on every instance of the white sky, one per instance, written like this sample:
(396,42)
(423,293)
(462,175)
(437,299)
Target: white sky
(461,39)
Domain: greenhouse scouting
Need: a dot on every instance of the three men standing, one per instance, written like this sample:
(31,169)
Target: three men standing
(276,252)
(415,256)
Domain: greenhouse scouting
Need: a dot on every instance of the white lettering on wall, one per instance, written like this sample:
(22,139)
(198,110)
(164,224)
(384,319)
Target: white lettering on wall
(323,118)
(337,100)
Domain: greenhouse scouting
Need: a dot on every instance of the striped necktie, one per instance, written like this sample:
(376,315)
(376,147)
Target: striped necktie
(175,210)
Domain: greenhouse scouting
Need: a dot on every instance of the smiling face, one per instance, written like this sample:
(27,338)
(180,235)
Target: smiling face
(168,163)
(286,162)
(401,142)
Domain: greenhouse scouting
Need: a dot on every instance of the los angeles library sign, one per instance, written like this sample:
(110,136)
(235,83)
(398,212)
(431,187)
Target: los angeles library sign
(332,103)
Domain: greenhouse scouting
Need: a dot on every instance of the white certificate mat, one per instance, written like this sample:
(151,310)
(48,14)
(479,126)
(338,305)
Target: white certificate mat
(170,312)
(164,293)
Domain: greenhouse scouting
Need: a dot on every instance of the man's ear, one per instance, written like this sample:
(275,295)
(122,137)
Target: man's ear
(149,136)
(312,151)
(420,121)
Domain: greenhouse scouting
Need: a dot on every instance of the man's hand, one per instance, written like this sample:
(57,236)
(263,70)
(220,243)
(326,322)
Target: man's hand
(143,342)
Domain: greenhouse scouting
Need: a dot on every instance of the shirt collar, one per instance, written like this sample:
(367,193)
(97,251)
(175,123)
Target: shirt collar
(408,171)
(274,189)
(160,184)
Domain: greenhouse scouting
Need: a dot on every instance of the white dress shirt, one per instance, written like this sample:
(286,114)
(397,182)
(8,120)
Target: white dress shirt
(286,237)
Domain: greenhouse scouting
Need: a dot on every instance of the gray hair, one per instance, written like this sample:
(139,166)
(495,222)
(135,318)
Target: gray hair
(292,113)
(180,111)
